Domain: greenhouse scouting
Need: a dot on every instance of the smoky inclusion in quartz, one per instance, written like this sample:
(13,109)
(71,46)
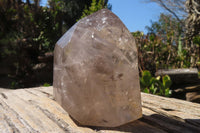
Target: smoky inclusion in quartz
(96,77)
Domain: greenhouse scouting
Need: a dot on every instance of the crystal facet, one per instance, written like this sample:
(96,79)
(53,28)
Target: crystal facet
(96,76)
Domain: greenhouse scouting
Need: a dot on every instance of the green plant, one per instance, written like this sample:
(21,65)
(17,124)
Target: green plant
(14,85)
(165,46)
(46,85)
(95,6)
(165,86)
(147,82)
(154,85)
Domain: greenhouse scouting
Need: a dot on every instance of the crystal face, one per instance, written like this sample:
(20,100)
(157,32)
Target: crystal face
(96,76)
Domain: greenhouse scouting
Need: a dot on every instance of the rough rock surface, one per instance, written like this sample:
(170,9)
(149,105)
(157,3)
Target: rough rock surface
(96,76)
(180,76)
(190,93)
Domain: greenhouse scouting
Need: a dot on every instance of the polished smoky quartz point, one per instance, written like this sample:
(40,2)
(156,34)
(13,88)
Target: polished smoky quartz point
(96,76)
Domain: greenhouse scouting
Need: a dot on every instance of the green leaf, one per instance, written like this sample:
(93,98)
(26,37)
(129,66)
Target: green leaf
(46,85)
(146,78)
(142,83)
(155,90)
(153,80)
(167,92)
(146,90)
(166,81)
(152,88)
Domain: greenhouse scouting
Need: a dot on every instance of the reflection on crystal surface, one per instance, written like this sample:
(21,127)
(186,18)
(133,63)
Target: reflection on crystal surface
(96,72)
